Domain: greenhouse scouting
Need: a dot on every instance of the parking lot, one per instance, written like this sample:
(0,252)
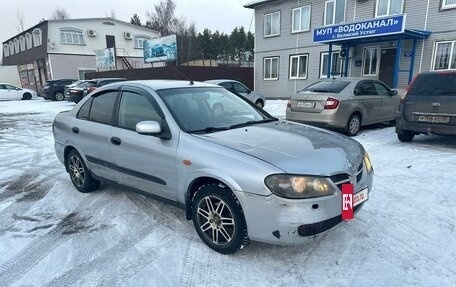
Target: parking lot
(52,235)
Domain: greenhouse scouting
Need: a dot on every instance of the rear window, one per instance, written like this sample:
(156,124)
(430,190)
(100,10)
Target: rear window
(434,84)
(327,87)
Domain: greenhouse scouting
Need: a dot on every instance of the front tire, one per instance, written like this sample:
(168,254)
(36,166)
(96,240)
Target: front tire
(27,96)
(353,125)
(80,174)
(59,96)
(218,219)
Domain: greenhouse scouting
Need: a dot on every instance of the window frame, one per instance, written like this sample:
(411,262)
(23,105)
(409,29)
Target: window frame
(370,62)
(297,77)
(388,13)
(264,24)
(333,22)
(447,6)
(11,47)
(22,45)
(452,53)
(28,41)
(6,51)
(264,68)
(300,22)
(72,32)
(37,36)
(341,62)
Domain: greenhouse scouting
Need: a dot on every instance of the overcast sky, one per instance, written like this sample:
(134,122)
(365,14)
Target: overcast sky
(222,15)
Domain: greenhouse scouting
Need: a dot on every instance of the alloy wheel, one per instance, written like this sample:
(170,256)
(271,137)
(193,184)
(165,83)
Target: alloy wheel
(59,96)
(77,171)
(216,220)
(354,125)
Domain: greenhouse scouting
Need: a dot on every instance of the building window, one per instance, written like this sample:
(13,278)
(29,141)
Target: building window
(5,50)
(272,24)
(271,68)
(334,12)
(37,37)
(298,66)
(445,55)
(448,4)
(337,65)
(11,47)
(16,45)
(389,7)
(71,37)
(22,43)
(28,40)
(301,19)
(370,61)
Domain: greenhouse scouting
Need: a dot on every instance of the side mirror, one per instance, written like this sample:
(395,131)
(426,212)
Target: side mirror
(248,91)
(393,92)
(148,128)
(154,128)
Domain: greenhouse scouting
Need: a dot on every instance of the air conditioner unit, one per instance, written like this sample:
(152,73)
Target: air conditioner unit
(346,52)
(91,33)
(127,36)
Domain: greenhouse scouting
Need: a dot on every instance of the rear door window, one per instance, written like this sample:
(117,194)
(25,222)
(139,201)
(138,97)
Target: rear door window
(102,107)
(434,84)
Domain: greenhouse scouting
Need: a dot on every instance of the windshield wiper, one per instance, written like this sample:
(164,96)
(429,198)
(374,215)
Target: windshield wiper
(209,130)
(249,123)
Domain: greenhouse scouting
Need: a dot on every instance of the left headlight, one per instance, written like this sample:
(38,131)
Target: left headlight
(367,163)
(296,186)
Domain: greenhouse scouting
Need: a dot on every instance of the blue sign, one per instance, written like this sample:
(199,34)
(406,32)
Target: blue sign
(363,29)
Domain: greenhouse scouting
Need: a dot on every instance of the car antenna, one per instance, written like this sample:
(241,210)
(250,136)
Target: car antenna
(183,75)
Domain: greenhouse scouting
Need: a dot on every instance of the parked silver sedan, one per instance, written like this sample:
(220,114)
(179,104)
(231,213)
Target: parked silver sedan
(344,103)
(241,89)
(240,175)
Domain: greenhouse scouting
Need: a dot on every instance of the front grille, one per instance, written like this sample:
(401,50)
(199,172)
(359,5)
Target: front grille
(359,173)
(340,179)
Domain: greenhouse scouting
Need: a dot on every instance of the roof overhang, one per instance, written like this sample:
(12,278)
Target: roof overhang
(407,34)
(254,4)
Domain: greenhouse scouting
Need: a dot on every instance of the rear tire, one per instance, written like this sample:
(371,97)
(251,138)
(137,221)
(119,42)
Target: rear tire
(80,174)
(27,96)
(218,219)
(59,96)
(353,125)
(405,136)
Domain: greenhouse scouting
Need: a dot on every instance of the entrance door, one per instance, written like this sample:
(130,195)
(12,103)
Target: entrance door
(387,60)
(110,41)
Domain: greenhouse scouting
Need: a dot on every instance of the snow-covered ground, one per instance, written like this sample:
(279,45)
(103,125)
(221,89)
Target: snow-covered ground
(52,235)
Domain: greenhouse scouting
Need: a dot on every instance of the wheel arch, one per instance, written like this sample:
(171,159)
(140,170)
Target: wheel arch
(202,180)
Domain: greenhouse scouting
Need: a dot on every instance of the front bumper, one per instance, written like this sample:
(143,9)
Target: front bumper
(276,220)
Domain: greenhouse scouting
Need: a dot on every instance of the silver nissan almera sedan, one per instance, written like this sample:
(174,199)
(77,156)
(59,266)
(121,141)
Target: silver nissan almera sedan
(238,173)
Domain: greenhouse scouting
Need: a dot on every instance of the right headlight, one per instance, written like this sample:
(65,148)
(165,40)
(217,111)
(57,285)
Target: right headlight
(297,186)
(368,163)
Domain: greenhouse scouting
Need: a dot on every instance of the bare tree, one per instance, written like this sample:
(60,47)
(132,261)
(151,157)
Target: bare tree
(60,14)
(111,14)
(162,19)
(20,21)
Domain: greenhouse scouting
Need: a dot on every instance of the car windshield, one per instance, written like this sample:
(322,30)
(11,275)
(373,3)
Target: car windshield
(205,110)
(82,84)
(330,86)
(434,84)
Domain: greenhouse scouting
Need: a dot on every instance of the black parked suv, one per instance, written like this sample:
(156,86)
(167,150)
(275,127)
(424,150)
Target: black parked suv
(428,106)
(54,89)
(77,93)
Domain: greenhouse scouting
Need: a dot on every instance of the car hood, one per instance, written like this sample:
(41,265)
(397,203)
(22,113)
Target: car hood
(29,91)
(294,148)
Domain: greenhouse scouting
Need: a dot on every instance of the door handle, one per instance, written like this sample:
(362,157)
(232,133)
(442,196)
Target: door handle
(115,140)
(75,130)
(363,101)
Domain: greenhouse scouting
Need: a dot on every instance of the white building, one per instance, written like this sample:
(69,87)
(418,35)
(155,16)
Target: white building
(55,49)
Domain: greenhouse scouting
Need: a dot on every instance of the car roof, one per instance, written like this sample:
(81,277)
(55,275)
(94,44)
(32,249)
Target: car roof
(218,81)
(169,84)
